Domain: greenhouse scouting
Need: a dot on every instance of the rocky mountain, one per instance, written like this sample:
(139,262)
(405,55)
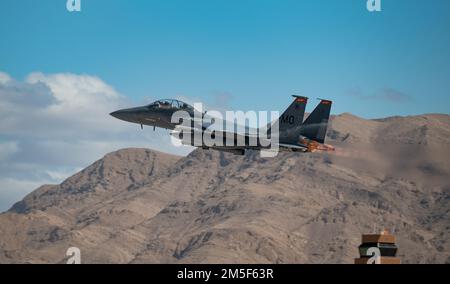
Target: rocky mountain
(142,206)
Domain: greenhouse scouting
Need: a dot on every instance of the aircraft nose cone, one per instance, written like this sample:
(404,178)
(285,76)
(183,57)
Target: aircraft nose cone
(134,115)
(123,114)
(128,114)
(116,114)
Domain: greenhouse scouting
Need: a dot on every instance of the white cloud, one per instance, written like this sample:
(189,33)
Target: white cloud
(54,124)
(76,91)
(4,78)
(7,149)
(60,175)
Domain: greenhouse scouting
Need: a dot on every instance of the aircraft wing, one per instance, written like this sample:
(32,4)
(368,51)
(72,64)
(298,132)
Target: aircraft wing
(219,135)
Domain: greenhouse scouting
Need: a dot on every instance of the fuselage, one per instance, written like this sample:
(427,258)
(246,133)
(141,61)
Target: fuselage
(157,114)
(161,114)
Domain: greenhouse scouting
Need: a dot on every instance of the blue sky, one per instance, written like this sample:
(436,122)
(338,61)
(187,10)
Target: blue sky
(257,52)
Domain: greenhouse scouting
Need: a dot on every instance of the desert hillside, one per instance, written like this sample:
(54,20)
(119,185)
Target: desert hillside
(143,206)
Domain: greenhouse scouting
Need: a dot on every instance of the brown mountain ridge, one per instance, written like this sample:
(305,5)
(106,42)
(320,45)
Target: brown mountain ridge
(143,206)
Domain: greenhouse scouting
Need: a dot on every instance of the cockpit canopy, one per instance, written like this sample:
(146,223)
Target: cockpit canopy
(171,104)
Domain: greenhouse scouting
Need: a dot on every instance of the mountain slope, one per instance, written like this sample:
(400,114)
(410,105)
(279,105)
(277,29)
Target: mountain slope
(141,206)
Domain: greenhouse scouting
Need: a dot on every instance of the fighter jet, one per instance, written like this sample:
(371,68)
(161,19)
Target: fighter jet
(294,134)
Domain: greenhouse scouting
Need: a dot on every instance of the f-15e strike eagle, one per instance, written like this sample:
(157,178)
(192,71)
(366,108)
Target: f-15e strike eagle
(292,133)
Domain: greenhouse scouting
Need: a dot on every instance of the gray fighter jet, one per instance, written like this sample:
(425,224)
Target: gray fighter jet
(294,134)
